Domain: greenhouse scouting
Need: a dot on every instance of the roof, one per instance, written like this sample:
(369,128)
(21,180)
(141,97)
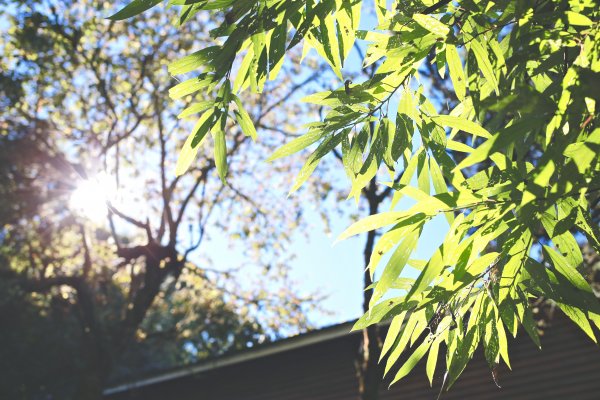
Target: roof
(253,353)
(321,365)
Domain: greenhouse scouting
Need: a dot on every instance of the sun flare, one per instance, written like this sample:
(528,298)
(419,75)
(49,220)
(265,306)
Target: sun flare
(90,197)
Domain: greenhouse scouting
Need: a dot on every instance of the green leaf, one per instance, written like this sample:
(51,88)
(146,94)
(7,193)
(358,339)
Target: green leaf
(459,146)
(221,148)
(432,359)
(196,108)
(330,43)
(462,124)
(457,74)
(391,238)
(433,25)
(482,263)
(412,361)
(193,142)
(300,143)
(277,50)
(491,341)
(439,184)
(517,253)
(190,86)
(392,333)
(414,326)
(381,312)
(585,223)
(508,314)
(372,222)
(464,352)
(585,154)
(134,8)
(577,19)
(369,168)
(193,61)
(566,270)
(423,173)
(311,164)
(346,31)
(396,264)
(526,317)
(564,240)
(433,269)
(240,81)
(483,61)
(499,142)
(502,341)
(580,318)
(243,118)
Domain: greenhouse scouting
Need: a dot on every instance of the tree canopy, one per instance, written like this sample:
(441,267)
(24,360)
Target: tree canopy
(511,160)
(93,293)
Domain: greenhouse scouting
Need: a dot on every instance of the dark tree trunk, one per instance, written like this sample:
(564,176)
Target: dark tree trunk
(94,348)
(368,370)
(91,386)
(160,262)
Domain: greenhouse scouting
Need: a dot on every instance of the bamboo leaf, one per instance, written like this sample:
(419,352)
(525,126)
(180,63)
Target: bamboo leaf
(220,148)
(433,25)
(193,142)
(432,360)
(412,361)
(382,311)
(372,222)
(193,61)
(134,8)
(300,143)
(244,119)
(396,264)
(313,161)
(196,108)
(457,74)
(392,333)
(566,270)
(462,124)
(483,61)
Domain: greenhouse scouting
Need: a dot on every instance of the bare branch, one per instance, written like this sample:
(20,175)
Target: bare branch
(142,225)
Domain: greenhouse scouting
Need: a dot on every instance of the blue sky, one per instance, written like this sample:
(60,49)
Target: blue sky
(334,270)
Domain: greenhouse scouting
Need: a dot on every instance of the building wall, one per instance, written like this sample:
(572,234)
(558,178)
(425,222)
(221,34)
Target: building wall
(568,367)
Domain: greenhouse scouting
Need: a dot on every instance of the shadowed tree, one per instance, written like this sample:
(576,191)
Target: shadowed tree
(96,227)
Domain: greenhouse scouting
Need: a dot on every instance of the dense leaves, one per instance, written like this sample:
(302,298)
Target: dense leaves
(512,162)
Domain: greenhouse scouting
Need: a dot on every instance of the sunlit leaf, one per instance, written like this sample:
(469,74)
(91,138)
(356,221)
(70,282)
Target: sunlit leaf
(462,124)
(134,8)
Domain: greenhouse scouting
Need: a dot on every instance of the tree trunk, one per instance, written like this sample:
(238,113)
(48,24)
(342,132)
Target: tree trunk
(368,370)
(94,349)
(91,386)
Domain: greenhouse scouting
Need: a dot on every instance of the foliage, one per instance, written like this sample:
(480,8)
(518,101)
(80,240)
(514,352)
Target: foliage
(129,278)
(183,326)
(511,165)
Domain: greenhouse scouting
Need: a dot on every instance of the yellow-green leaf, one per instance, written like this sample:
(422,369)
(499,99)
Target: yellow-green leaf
(243,118)
(412,361)
(193,142)
(134,8)
(433,25)
(462,124)
(457,74)
(297,144)
(372,222)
